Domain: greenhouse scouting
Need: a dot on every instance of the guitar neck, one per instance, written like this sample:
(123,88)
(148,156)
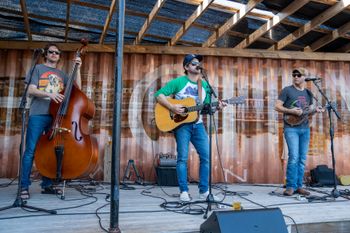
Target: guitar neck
(200,107)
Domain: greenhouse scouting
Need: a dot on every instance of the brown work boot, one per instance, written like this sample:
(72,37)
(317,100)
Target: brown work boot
(288,192)
(302,191)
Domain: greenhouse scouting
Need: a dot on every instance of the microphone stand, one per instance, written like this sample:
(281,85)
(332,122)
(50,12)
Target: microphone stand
(19,202)
(209,110)
(331,107)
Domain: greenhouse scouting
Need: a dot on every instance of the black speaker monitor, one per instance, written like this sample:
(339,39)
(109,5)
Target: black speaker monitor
(245,221)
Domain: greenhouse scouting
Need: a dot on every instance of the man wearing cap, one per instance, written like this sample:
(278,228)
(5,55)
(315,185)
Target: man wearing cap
(180,88)
(294,99)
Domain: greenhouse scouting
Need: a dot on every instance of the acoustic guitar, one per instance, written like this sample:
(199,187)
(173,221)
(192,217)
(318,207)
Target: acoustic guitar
(166,120)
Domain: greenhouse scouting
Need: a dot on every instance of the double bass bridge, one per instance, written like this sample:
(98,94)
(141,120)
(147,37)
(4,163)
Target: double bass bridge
(58,130)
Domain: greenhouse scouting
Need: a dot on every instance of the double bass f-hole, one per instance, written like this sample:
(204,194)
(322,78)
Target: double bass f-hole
(76,127)
(65,130)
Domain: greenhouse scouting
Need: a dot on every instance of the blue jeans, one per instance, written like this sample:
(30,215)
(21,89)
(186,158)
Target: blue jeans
(298,145)
(197,135)
(37,124)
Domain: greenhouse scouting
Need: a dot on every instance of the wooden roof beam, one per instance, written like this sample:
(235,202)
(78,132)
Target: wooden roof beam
(161,18)
(171,20)
(196,14)
(149,20)
(290,9)
(26,19)
(217,7)
(324,16)
(181,50)
(231,22)
(108,21)
(212,6)
(67,21)
(226,9)
(330,37)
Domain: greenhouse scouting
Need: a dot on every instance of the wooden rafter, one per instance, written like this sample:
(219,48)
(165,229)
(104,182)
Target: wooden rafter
(231,10)
(290,9)
(149,20)
(330,37)
(219,7)
(231,22)
(177,50)
(139,14)
(160,18)
(173,20)
(26,19)
(324,16)
(213,6)
(67,20)
(316,29)
(196,14)
(108,21)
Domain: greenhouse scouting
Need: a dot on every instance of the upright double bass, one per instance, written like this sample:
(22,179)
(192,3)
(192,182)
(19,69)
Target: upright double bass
(67,151)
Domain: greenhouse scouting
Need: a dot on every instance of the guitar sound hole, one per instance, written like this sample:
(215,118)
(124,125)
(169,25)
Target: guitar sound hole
(179,118)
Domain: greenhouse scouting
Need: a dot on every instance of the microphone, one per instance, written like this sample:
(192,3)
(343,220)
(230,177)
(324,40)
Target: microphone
(203,71)
(312,79)
(39,50)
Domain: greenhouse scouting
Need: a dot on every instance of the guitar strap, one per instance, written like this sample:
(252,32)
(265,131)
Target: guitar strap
(310,95)
(199,83)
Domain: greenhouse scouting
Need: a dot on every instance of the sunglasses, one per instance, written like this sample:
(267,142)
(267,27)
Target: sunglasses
(54,52)
(195,63)
(297,75)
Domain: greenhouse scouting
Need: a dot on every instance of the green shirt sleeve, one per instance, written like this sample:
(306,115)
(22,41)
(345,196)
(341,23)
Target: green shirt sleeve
(172,87)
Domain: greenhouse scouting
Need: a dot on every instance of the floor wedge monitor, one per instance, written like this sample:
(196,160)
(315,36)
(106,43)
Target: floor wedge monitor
(245,221)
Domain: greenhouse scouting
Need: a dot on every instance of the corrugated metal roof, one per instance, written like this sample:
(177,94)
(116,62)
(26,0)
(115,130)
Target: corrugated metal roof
(47,22)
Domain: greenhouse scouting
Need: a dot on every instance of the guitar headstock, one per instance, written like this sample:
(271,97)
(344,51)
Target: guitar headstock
(236,100)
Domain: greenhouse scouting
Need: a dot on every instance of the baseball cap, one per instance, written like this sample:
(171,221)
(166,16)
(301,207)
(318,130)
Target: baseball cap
(301,71)
(189,57)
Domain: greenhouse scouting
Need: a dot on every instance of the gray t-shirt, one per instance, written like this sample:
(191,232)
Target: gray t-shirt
(47,79)
(292,97)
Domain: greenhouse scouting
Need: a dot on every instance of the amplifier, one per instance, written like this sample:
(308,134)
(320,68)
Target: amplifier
(322,176)
(166,162)
(166,176)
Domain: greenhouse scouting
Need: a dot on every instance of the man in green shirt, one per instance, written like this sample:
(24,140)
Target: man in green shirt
(180,88)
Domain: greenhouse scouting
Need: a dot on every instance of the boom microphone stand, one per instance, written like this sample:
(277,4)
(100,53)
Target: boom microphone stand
(209,110)
(19,202)
(330,107)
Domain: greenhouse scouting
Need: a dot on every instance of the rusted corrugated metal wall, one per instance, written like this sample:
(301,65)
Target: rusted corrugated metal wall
(249,137)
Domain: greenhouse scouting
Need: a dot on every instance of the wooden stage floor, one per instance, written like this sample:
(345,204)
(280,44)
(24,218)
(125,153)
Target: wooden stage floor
(140,210)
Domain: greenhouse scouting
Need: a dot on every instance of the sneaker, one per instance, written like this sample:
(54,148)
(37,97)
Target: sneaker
(203,196)
(185,197)
(25,194)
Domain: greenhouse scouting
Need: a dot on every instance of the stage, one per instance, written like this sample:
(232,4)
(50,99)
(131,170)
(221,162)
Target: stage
(141,208)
